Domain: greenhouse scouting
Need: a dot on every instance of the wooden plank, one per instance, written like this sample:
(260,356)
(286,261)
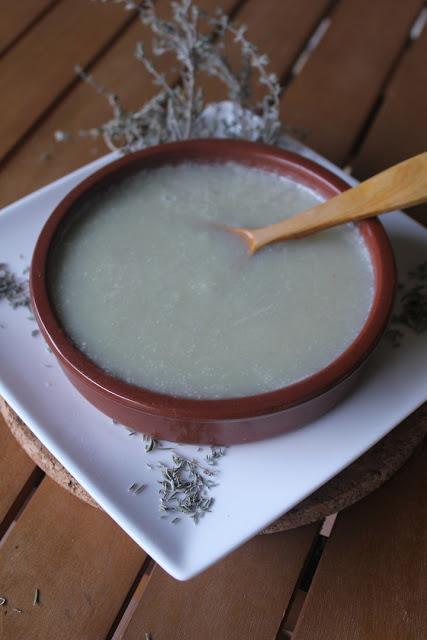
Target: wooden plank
(243,596)
(78,558)
(17,17)
(41,66)
(279,29)
(40,160)
(399,129)
(336,89)
(371,580)
(16,469)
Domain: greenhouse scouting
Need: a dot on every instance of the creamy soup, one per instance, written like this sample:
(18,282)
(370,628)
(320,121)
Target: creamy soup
(154,294)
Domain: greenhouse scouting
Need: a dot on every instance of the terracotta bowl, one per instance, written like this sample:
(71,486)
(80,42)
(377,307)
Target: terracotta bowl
(232,420)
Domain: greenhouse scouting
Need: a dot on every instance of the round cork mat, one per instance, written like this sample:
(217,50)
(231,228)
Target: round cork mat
(362,477)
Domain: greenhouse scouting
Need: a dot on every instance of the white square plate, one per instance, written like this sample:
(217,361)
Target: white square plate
(257,482)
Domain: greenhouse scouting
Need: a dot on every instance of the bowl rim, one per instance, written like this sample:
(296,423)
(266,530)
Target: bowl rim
(229,408)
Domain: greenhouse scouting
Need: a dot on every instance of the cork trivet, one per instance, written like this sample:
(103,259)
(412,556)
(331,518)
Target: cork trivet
(362,477)
(42,456)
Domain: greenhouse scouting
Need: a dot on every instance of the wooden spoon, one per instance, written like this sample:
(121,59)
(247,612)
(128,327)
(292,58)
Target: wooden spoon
(403,185)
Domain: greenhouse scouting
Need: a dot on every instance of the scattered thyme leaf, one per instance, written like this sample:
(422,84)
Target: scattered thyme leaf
(140,489)
(213,457)
(13,289)
(36,598)
(149,443)
(411,311)
(420,272)
(136,488)
(394,336)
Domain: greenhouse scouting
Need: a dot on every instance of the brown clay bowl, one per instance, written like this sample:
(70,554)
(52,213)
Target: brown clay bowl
(232,420)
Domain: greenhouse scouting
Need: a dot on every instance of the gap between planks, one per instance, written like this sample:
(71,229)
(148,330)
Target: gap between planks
(63,91)
(81,562)
(370,583)
(414,33)
(308,48)
(288,623)
(130,603)
(72,100)
(20,502)
(333,94)
(302,587)
(21,33)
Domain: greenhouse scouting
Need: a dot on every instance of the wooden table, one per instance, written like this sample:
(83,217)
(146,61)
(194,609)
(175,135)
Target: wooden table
(354,77)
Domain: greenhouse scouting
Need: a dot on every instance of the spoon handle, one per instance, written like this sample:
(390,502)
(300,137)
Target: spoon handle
(403,185)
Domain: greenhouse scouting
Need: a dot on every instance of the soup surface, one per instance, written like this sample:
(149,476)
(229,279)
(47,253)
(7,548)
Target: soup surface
(155,295)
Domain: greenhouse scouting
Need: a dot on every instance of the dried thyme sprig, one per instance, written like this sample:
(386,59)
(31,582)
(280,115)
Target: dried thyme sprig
(215,454)
(13,289)
(175,112)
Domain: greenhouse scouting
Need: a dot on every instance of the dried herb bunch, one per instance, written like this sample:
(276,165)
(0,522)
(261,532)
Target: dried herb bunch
(197,40)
